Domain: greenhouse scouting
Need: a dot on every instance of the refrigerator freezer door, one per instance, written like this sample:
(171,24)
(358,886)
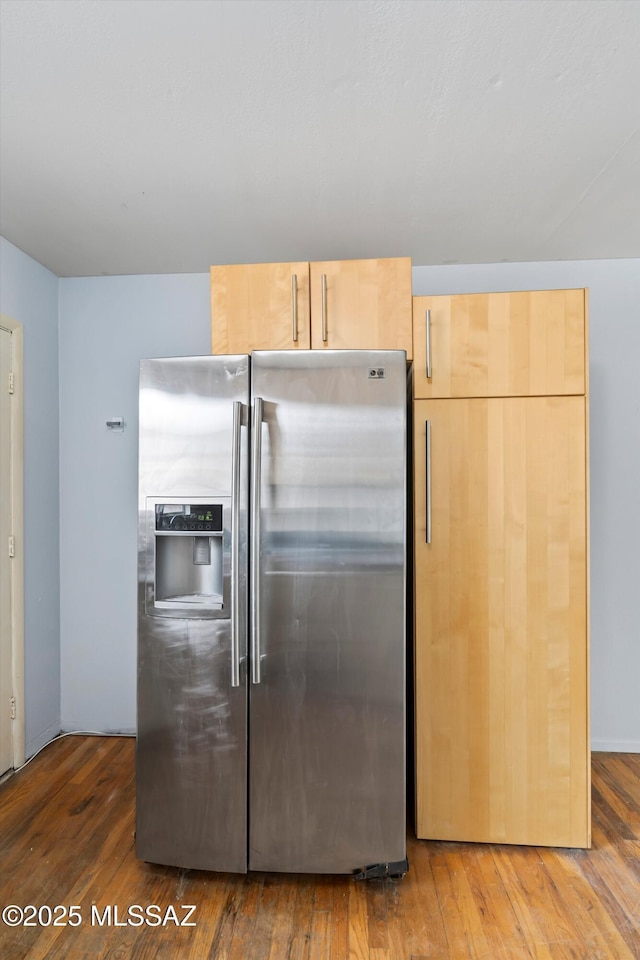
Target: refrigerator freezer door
(191,753)
(327,717)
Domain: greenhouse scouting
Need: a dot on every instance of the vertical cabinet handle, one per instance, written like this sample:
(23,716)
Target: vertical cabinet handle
(428,482)
(294,307)
(256,434)
(428,358)
(325,336)
(235,544)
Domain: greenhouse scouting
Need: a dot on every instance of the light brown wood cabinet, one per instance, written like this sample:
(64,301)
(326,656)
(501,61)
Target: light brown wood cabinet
(501,589)
(341,304)
(500,344)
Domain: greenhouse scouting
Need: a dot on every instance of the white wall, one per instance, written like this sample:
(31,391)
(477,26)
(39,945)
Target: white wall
(29,294)
(107,324)
(614,287)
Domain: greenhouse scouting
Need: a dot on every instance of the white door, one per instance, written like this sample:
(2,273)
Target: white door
(6,665)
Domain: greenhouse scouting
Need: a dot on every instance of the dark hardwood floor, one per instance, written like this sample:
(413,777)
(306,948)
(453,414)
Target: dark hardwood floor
(66,838)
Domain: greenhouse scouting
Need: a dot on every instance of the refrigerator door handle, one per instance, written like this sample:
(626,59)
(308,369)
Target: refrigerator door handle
(256,441)
(235,544)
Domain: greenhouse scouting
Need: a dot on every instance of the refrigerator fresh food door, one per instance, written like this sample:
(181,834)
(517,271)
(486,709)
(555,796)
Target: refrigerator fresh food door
(327,691)
(191,753)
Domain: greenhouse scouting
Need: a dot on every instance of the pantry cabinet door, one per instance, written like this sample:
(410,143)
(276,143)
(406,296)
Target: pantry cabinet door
(501,653)
(500,344)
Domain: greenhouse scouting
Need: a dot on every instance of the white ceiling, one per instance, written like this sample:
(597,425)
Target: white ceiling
(157,137)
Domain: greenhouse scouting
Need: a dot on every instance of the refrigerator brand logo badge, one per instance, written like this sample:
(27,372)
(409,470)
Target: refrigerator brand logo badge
(376,373)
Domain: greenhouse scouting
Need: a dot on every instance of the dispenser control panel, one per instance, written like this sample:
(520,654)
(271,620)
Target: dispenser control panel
(189,518)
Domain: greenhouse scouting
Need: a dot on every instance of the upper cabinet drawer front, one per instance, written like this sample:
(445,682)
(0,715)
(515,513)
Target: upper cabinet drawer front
(500,344)
(259,306)
(367,304)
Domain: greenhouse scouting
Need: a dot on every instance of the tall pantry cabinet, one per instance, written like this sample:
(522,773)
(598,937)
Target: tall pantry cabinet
(500,593)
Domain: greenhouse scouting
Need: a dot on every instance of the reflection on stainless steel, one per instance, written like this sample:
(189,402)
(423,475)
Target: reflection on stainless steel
(192,724)
(325,764)
(327,733)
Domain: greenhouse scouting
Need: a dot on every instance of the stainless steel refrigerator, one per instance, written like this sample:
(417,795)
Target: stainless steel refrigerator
(271,627)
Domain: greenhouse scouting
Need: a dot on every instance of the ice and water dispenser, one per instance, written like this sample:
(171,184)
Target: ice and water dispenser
(186,568)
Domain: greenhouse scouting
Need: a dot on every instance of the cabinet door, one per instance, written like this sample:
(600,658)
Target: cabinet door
(500,344)
(259,306)
(502,748)
(367,304)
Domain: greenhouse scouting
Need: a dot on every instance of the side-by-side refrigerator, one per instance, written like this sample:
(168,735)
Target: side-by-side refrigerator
(271,628)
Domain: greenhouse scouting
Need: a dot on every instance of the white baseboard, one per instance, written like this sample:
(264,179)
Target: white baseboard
(46,736)
(71,726)
(41,739)
(616,746)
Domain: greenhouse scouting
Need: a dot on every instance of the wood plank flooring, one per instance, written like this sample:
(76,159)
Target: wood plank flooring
(66,838)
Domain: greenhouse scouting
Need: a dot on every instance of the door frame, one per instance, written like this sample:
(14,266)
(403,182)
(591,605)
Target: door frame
(17,525)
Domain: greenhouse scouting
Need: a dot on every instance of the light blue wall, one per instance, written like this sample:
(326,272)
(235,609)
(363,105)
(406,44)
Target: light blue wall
(29,294)
(107,324)
(614,297)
